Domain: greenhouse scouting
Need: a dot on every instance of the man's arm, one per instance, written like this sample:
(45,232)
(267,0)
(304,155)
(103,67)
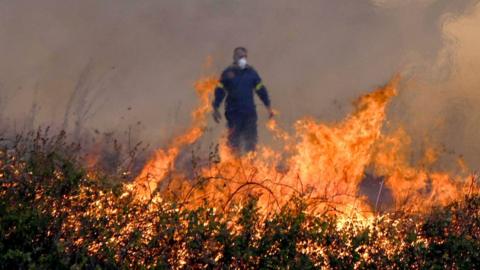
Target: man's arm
(220,94)
(262,93)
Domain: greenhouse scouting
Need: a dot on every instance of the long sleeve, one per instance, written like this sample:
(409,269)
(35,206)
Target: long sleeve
(219,96)
(220,92)
(261,91)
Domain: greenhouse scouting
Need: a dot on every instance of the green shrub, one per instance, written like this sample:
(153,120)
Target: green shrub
(53,216)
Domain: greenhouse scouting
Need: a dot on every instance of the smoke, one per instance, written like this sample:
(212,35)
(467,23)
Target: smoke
(141,59)
(438,106)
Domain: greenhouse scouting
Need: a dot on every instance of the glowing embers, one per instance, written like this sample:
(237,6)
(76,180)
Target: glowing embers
(323,164)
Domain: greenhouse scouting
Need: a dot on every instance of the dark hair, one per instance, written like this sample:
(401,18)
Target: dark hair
(240,48)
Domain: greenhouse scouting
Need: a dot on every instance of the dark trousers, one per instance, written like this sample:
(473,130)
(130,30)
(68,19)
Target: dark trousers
(242,131)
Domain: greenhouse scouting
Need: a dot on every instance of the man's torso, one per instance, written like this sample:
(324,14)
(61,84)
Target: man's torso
(239,85)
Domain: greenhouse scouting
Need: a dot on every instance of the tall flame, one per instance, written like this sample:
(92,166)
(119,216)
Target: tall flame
(163,160)
(323,163)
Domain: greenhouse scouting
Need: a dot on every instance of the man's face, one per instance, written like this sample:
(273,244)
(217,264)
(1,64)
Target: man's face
(238,54)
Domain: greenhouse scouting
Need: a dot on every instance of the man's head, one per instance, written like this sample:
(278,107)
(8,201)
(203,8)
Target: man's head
(240,56)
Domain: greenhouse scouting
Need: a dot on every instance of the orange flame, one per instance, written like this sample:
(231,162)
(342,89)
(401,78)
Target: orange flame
(163,160)
(325,164)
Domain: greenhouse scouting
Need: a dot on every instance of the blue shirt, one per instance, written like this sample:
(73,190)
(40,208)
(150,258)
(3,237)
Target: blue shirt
(239,85)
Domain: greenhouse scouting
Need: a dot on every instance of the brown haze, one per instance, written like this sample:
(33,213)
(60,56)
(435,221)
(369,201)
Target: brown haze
(139,60)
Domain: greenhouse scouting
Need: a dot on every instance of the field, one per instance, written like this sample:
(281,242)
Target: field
(55,216)
(63,208)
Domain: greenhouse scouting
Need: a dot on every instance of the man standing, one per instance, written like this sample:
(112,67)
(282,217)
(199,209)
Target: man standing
(238,82)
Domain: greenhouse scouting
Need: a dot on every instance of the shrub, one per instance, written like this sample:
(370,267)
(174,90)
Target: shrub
(54,216)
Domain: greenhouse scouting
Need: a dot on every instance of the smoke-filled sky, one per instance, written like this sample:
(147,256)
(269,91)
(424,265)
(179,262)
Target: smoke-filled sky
(139,60)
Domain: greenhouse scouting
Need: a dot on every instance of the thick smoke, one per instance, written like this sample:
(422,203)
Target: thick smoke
(114,63)
(438,104)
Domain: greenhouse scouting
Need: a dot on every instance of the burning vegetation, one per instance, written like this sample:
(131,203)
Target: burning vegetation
(298,207)
(324,164)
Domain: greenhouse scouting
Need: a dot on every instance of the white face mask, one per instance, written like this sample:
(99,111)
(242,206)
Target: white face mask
(242,62)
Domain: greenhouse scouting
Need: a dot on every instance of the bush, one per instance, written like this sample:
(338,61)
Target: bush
(54,216)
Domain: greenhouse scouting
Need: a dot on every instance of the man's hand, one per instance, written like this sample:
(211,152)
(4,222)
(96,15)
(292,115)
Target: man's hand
(271,113)
(216,116)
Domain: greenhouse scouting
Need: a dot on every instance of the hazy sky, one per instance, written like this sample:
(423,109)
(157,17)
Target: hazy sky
(315,58)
